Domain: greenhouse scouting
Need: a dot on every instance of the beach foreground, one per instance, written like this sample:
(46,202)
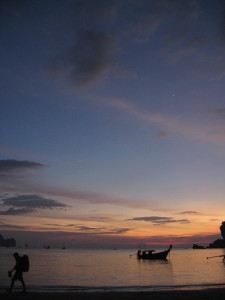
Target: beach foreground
(215,294)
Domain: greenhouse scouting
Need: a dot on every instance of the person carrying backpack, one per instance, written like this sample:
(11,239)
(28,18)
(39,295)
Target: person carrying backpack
(18,275)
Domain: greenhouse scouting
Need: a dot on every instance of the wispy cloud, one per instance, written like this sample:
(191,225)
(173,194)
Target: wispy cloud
(54,224)
(101,230)
(179,48)
(95,38)
(90,56)
(156,220)
(207,132)
(99,219)
(162,134)
(29,190)
(82,228)
(78,196)
(15,227)
(85,229)
(218,112)
(11,165)
(88,61)
(23,204)
(146,17)
(16,211)
(189,212)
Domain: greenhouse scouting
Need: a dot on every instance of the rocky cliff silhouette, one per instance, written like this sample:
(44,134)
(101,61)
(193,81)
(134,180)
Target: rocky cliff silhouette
(219,243)
(8,242)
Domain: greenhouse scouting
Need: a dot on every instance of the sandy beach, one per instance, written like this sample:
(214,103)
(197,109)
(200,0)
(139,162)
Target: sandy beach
(215,294)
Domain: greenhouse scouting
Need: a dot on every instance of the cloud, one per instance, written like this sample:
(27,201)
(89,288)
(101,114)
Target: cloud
(179,48)
(57,225)
(75,195)
(32,201)
(100,28)
(84,229)
(218,112)
(187,41)
(160,220)
(183,38)
(15,227)
(206,132)
(88,61)
(146,17)
(27,187)
(89,57)
(162,134)
(99,219)
(189,212)
(145,27)
(11,165)
(18,211)
(121,230)
(23,204)
(111,231)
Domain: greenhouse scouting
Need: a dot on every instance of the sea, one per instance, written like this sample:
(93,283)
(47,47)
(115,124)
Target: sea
(114,270)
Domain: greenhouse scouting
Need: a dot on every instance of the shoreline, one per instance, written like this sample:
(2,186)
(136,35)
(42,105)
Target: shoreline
(206,294)
(114,289)
(100,289)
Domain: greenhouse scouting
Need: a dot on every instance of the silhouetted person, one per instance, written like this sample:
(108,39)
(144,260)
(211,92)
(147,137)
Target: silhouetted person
(18,275)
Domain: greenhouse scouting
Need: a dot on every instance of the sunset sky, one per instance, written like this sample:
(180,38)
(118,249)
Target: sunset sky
(112,128)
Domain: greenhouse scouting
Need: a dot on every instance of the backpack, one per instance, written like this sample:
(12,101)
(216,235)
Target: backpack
(25,263)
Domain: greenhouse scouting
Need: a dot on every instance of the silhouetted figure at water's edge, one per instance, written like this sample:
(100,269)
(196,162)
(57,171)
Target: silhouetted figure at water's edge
(22,264)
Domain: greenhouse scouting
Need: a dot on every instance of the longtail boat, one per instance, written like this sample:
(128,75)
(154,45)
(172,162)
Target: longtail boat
(151,254)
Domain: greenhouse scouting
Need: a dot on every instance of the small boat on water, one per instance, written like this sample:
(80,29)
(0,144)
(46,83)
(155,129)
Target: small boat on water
(151,254)
(46,247)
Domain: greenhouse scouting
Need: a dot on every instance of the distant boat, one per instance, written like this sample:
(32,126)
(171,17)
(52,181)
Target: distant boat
(47,247)
(151,254)
(63,248)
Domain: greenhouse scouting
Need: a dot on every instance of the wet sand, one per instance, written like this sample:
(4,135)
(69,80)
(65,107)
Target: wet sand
(213,293)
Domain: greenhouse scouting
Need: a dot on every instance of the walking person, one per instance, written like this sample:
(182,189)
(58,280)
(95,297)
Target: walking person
(18,275)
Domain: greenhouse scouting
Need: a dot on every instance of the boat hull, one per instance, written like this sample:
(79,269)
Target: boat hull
(151,255)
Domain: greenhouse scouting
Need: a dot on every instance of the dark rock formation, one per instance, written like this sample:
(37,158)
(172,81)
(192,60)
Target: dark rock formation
(220,243)
(217,244)
(1,241)
(195,246)
(8,242)
(222,230)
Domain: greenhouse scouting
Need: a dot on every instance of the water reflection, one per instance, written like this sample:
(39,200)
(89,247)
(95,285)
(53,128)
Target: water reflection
(116,268)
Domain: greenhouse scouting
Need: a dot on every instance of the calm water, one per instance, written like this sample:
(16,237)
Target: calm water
(88,269)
